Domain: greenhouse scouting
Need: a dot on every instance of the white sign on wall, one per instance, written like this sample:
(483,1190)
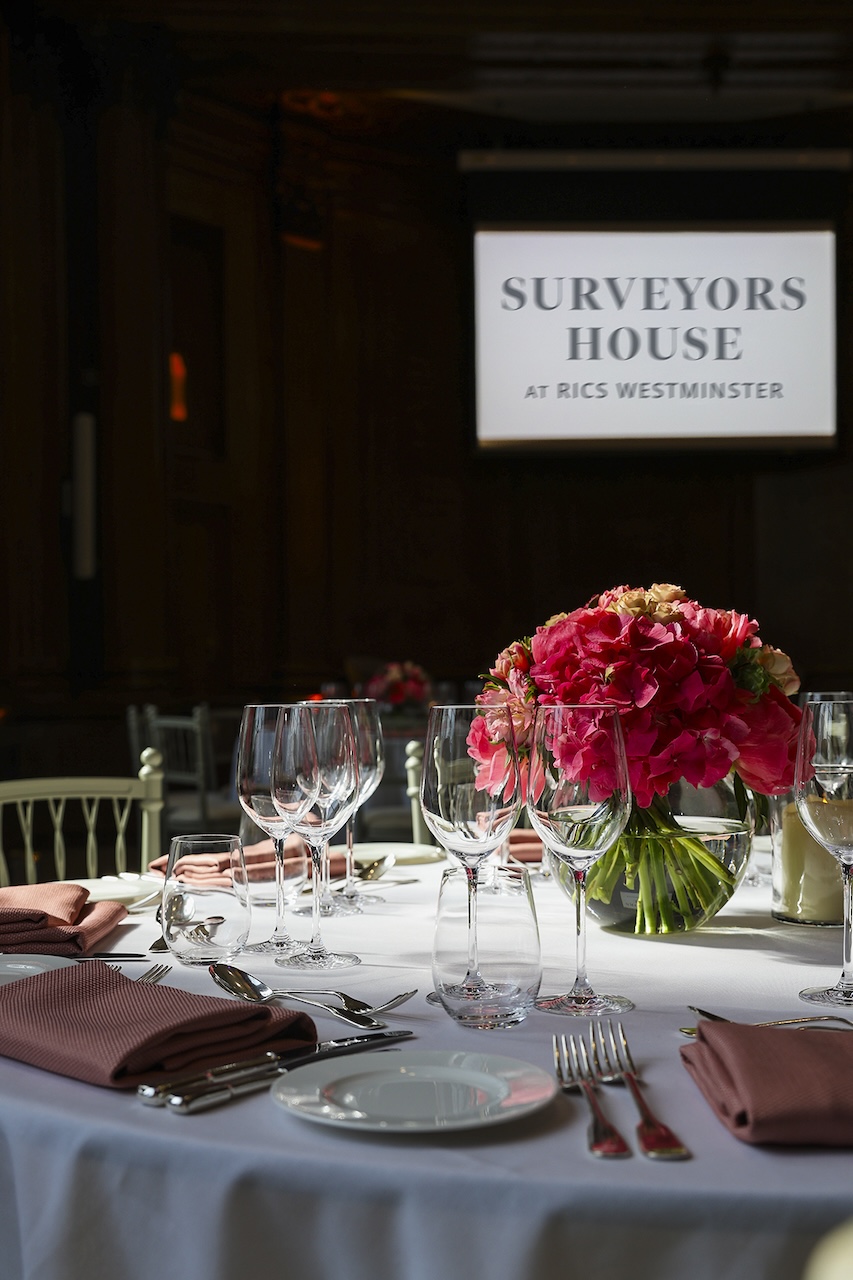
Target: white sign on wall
(674,337)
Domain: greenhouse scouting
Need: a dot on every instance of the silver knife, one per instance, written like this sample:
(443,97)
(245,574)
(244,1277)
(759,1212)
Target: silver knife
(260,1069)
(205,1096)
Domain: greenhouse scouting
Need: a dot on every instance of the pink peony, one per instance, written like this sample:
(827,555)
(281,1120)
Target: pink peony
(768,754)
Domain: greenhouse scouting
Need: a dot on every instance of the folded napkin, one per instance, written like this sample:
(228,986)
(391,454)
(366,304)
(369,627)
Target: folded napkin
(525,846)
(93,1024)
(54,919)
(776,1085)
(214,869)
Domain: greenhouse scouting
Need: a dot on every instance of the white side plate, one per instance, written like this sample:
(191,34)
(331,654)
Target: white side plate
(404,854)
(113,889)
(14,967)
(415,1091)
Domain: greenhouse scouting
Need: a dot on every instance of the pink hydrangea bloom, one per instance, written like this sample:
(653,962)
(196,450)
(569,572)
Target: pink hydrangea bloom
(697,690)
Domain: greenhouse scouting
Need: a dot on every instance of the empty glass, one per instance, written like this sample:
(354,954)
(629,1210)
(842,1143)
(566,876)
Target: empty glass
(256,744)
(470,798)
(314,759)
(823,791)
(579,801)
(205,911)
(509,963)
(370,753)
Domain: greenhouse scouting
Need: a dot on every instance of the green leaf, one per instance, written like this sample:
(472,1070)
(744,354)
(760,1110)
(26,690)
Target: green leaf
(742,797)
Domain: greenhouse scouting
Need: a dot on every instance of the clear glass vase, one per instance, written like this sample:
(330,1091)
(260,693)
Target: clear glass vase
(677,863)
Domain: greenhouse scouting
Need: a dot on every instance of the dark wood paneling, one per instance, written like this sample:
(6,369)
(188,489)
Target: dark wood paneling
(34,443)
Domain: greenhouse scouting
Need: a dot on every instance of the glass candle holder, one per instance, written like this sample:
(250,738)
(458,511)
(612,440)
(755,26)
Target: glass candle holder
(807,886)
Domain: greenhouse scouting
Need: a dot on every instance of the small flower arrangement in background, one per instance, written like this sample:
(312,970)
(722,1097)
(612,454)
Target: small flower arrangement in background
(401,686)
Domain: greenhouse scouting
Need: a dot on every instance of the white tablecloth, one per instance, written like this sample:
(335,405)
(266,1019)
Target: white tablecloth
(93,1184)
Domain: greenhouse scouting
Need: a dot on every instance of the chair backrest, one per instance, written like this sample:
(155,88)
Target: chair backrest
(421,833)
(95,796)
(186,744)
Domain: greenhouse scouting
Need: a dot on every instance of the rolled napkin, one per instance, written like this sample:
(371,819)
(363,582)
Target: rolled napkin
(525,846)
(93,1024)
(54,919)
(213,869)
(776,1085)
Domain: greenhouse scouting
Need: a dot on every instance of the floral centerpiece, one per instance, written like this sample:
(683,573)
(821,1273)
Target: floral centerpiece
(401,686)
(701,698)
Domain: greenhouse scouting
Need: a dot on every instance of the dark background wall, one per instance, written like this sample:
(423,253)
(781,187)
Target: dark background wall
(306,252)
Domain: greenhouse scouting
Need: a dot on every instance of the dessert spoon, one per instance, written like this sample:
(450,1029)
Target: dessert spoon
(245,985)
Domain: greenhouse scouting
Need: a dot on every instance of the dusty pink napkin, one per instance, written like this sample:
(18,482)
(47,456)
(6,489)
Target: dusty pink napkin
(54,919)
(91,1023)
(525,846)
(213,869)
(774,1084)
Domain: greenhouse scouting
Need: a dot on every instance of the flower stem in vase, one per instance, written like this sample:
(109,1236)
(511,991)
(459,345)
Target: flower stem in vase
(673,876)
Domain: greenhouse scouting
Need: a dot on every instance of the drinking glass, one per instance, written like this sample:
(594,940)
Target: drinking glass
(205,912)
(579,801)
(256,744)
(823,792)
(470,798)
(325,733)
(508,951)
(370,752)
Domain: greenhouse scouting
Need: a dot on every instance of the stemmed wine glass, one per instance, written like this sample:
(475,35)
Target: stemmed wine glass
(332,793)
(579,801)
(471,799)
(370,751)
(256,745)
(823,791)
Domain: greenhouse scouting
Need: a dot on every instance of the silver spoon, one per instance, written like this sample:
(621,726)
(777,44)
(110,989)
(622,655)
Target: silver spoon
(364,871)
(373,870)
(245,985)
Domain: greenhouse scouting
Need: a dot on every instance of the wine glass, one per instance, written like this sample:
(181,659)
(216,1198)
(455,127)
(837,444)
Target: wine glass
(579,801)
(370,749)
(823,791)
(470,798)
(326,728)
(256,744)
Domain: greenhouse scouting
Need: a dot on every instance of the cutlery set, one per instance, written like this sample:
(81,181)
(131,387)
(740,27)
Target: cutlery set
(608,1061)
(202,1091)
(581,1064)
(237,982)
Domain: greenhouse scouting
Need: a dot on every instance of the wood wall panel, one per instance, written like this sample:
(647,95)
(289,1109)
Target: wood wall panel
(137,656)
(345,512)
(34,460)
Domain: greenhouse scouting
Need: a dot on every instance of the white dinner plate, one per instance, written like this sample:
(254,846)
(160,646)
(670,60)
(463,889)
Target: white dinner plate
(14,967)
(415,1091)
(404,854)
(113,889)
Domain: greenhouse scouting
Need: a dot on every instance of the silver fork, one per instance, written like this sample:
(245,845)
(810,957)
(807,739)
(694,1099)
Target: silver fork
(571,1065)
(154,974)
(613,1064)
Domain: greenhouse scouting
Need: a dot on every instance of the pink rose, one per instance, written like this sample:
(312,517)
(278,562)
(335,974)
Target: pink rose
(780,669)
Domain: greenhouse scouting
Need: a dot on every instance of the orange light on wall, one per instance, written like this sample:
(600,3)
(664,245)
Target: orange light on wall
(177,387)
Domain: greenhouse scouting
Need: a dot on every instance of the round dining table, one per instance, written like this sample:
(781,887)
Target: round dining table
(93,1183)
